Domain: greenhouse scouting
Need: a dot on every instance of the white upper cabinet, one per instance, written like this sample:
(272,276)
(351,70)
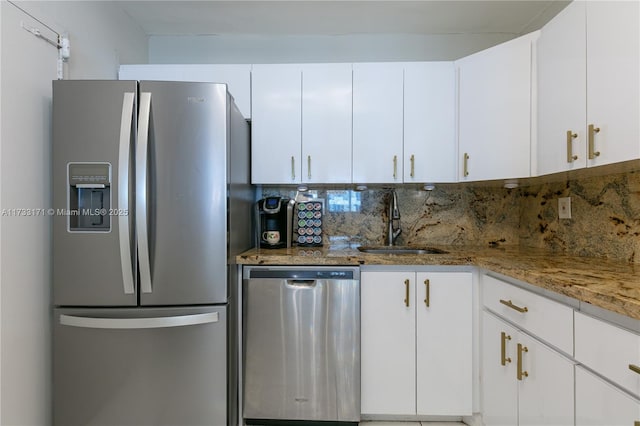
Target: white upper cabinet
(276,129)
(429,122)
(495,111)
(326,123)
(561,65)
(377,122)
(613,85)
(236,76)
(588,86)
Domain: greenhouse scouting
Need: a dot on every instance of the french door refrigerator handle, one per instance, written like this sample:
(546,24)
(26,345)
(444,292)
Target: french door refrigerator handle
(141,193)
(138,323)
(126,122)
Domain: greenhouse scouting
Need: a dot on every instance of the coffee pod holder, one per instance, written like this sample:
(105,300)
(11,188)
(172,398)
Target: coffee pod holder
(307,220)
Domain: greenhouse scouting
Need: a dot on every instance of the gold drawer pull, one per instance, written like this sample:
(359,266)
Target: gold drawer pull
(512,306)
(634,368)
(413,163)
(570,137)
(406,289)
(503,348)
(466,165)
(592,142)
(395,167)
(521,350)
(427,296)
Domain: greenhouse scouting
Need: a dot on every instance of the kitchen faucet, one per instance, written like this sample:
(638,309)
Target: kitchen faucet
(393,228)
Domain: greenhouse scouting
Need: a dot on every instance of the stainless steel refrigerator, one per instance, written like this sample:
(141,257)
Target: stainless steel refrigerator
(151,202)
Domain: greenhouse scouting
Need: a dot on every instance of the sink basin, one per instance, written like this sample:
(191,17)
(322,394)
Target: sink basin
(400,250)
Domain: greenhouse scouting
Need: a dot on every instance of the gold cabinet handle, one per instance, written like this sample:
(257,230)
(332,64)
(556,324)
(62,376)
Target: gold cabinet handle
(636,423)
(521,350)
(466,165)
(592,141)
(634,368)
(503,348)
(427,292)
(395,167)
(510,304)
(406,296)
(413,163)
(570,137)
(309,167)
(293,168)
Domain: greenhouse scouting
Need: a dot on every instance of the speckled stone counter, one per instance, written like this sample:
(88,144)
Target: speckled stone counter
(607,284)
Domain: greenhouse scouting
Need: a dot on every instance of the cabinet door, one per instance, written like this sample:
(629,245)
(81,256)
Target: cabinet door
(443,343)
(429,122)
(495,111)
(600,404)
(276,92)
(613,86)
(326,123)
(499,384)
(545,393)
(608,350)
(561,64)
(377,122)
(388,375)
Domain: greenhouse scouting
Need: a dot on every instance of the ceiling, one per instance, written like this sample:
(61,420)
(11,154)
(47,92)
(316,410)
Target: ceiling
(303,18)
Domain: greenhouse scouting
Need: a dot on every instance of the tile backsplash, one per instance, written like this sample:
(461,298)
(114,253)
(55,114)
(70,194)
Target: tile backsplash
(605,215)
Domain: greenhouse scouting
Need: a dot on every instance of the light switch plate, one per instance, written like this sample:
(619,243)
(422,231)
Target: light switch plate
(564,208)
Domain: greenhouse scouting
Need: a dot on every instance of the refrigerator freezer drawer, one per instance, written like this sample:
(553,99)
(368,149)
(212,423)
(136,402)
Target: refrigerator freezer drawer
(140,367)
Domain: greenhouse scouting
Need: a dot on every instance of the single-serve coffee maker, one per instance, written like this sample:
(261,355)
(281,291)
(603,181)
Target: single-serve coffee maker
(274,222)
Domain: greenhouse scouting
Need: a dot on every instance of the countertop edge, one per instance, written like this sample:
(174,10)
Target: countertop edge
(609,285)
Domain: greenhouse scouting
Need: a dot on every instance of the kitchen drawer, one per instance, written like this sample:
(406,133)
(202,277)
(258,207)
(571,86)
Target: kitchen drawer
(608,350)
(548,320)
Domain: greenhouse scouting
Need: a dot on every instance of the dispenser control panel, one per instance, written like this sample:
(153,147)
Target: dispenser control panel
(89,197)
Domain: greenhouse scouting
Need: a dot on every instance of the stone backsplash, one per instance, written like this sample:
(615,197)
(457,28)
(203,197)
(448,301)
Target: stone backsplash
(605,215)
(450,214)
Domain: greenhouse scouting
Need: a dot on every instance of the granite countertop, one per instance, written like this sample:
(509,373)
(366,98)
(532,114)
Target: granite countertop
(610,285)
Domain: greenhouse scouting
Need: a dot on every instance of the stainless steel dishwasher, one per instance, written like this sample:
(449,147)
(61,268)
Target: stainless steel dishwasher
(301,344)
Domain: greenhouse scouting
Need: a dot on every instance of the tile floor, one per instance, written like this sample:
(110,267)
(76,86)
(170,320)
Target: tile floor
(376,423)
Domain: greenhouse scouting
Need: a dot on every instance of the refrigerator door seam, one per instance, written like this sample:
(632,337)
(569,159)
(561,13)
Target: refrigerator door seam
(138,323)
(141,192)
(123,191)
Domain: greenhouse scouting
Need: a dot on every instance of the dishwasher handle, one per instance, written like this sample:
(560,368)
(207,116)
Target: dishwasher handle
(301,283)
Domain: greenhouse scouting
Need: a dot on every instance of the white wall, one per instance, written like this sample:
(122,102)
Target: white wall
(100,38)
(247,49)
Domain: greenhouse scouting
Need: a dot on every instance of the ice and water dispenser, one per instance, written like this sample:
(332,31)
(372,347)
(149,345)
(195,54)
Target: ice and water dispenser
(89,197)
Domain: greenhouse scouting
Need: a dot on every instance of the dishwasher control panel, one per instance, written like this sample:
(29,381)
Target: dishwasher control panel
(307,274)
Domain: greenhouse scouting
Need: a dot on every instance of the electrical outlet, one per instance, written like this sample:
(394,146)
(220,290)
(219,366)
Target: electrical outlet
(564,208)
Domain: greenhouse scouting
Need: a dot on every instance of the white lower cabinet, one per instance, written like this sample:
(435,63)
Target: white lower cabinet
(609,350)
(499,384)
(524,382)
(599,403)
(416,355)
